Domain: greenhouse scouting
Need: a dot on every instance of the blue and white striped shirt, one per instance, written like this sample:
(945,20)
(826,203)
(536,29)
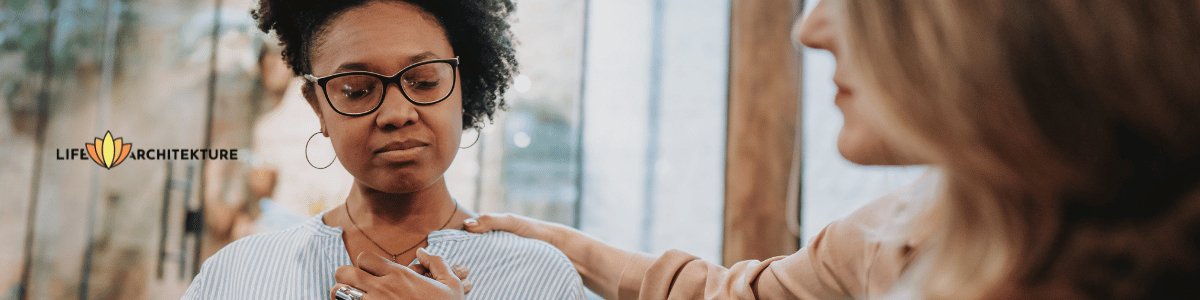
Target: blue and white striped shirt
(299,262)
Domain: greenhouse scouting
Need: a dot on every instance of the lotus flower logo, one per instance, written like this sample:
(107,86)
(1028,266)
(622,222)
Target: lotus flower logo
(108,152)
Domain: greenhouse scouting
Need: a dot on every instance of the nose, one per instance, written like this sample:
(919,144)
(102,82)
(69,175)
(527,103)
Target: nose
(815,31)
(395,111)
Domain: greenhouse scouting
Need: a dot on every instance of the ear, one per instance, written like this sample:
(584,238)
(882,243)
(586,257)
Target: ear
(309,90)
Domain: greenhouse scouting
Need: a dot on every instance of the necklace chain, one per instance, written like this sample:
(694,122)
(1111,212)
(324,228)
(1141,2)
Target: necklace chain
(396,256)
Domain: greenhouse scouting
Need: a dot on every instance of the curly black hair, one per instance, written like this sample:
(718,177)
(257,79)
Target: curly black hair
(478,31)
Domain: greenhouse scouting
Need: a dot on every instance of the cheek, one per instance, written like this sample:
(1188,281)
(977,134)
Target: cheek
(858,144)
(852,134)
(854,114)
(858,140)
(871,137)
(348,135)
(446,124)
(349,140)
(867,110)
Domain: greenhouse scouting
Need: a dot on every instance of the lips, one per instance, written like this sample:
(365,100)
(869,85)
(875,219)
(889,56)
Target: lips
(401,146)
(843,94)
(401,151)
(841,86)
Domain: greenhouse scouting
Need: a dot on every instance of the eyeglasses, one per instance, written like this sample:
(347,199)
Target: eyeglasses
(359,93)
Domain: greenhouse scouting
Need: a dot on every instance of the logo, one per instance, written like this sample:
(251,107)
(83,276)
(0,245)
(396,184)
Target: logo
(108,152)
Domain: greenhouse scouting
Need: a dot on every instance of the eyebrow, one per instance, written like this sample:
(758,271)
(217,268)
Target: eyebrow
(360,66)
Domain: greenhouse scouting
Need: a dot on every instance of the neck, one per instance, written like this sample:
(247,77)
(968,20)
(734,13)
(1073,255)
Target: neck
(416,211)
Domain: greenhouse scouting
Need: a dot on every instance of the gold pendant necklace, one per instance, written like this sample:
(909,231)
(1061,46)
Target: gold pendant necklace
(396,256)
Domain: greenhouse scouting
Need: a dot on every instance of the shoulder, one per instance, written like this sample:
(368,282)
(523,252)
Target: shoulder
(509,246)
(254,251)
(512,264)
(279,243)
(224,271)
(262,243)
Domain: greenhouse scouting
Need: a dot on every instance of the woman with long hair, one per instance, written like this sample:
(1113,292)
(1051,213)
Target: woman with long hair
(1066,132)
(1067,145)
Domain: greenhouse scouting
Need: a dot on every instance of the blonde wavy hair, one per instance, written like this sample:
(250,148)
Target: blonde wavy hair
(1067,132)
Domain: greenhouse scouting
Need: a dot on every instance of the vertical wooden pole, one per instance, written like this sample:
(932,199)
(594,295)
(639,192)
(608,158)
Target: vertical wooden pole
(764,94)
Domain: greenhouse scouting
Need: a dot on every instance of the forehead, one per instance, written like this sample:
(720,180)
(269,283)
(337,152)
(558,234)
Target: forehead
(381,36)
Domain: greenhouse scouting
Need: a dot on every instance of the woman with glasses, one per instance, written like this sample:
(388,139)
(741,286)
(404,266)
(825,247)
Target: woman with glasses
(394,84)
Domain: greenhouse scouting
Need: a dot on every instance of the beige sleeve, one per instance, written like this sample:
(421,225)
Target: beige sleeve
(834,265)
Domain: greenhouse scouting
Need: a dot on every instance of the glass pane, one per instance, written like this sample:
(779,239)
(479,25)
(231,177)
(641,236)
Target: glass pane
(527,161)
(24,40)
(138,69)
(430,82)
(78,87)
(354,94)
(654,131)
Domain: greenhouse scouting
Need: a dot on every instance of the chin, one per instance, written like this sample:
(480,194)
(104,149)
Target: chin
(861,148)
(871,150)
(402,183)
(402,187)
(856,157)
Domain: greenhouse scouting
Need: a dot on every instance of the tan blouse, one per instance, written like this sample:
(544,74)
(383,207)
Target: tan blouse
(860,256)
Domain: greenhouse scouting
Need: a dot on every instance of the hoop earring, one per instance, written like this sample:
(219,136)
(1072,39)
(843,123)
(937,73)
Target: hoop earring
(477,134)
(310,163)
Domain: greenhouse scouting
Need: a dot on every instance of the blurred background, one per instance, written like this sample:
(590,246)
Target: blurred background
(651,124)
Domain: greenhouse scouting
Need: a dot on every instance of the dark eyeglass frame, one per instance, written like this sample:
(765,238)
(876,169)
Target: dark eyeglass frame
(387,80)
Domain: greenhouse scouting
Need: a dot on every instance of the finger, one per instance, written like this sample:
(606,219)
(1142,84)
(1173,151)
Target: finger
(350,275)
(491,222)
(419,268)
(355,277)
(439,268)
(333,291)
(377,265)
(472,225)
(414,272)
(460,271)
(467,285)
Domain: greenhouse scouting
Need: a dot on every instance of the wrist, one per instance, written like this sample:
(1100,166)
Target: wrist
(554,234)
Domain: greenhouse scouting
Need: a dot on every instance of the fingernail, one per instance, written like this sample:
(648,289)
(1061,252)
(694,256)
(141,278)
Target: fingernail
(471,222)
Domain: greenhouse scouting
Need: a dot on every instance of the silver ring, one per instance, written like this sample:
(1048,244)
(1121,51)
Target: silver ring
(349,293)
